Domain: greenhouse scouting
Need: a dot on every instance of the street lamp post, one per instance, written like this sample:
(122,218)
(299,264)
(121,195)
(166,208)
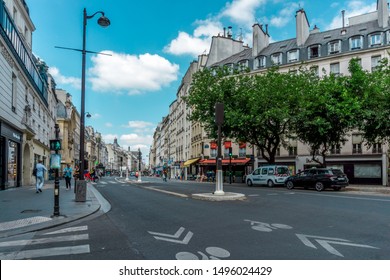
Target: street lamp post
(104,22)
(139,165)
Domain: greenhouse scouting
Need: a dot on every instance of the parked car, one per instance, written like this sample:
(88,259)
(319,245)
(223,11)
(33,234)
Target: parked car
(318,178)
(269,175)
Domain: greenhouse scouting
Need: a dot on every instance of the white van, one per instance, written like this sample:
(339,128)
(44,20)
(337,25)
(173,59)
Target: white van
(269,175)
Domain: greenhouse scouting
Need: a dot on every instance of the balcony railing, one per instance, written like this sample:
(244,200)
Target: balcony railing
(9,32)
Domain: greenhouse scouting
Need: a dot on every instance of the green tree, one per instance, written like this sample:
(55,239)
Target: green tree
(329,112)
(258,108)
(376,105)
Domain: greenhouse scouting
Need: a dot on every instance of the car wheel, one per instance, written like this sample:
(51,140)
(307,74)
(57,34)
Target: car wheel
(249,182)
(319,186)
(290,185)
(270,183)
(337,188)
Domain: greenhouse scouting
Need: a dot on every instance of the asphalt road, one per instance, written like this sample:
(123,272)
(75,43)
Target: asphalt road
(160,221)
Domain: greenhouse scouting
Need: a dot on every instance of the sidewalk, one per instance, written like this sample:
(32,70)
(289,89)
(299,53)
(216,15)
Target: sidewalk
(22,210)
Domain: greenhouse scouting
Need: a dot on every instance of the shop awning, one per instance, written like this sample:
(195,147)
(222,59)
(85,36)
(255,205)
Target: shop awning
(190,161)
(235,161)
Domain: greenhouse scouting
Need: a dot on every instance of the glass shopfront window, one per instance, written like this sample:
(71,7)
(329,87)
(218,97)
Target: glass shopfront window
(12,163)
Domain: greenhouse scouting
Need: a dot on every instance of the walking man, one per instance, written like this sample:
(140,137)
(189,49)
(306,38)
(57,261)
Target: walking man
(68,176)
(40,176)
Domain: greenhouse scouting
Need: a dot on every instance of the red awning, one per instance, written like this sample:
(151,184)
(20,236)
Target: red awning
(235,161)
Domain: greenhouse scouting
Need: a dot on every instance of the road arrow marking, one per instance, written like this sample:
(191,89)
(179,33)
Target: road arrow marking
(173,238)
(326,241)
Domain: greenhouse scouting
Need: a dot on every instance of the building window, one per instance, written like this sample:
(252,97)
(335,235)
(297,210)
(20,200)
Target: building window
(388,37)
(292,151)
(230,67)
(293,55)
(335,68)
(334,47)
(276,58)
(213,153)
(357,143)
(315,70)
(375,62)
(314,51)
(356,43)
(14,92)
(375,39)
(243,65)
(260,62)
(377,148)
(335,149)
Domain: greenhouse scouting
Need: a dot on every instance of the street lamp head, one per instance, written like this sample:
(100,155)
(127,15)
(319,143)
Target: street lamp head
(88,115)
(103,21)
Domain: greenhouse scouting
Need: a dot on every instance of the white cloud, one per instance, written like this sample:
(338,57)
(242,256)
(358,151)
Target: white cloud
(285,15)
(63,80)
(136,140)
(353,8)
(139,124)
(196,44)
(131,73)
(109,138)
(108,124)
(242,11)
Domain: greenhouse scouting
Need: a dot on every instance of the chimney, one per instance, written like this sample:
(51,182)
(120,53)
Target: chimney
(229,34)
(343,16)
(260,39)
(383,13)
(302,27)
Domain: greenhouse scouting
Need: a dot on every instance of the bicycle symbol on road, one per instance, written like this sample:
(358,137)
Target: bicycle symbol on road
(215,253)
(260,226)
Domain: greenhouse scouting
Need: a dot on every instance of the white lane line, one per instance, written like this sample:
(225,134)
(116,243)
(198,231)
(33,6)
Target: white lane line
(39,253)
(44,240)
(66,230)
(167,192)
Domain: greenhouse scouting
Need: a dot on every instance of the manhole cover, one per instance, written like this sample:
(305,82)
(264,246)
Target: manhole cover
(31,211)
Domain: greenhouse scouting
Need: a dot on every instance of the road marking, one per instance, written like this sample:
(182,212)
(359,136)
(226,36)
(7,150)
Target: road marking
(27,242)
(65,230)
(326,241)
(49,252)
(173,237)
(167,192)
(23,222)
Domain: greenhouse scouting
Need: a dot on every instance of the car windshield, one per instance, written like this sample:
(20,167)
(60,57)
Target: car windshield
(282,170)
(337,172)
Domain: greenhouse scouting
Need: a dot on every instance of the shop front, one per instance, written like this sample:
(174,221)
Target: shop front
(10,156)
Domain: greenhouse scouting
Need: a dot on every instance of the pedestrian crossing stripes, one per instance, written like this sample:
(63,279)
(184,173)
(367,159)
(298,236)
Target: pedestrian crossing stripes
(71,234)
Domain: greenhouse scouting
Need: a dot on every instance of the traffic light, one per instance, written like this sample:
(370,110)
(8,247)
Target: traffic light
(230,152)
(55,145)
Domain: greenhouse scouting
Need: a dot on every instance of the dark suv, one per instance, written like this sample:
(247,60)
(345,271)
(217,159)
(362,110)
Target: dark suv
(318,178)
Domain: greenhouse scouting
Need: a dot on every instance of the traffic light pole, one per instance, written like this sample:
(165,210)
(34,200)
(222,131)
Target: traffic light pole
(219,111)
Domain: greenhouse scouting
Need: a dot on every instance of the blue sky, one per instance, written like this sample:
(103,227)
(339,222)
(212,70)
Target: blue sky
(152,43)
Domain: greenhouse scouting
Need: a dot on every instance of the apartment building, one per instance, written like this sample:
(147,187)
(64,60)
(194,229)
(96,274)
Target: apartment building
(27,98)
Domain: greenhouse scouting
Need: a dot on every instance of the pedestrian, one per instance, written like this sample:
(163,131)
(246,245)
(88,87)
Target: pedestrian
(40,176)
(68,176)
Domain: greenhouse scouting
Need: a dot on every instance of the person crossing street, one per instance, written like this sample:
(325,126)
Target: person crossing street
(40,176)
(68,176)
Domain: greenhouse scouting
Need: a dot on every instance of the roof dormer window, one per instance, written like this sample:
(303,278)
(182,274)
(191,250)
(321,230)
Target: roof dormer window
(243,65)
(334,47)
(276,58)
(314,51)
(375,39)
(293,55)
(356,43)
(260,62)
